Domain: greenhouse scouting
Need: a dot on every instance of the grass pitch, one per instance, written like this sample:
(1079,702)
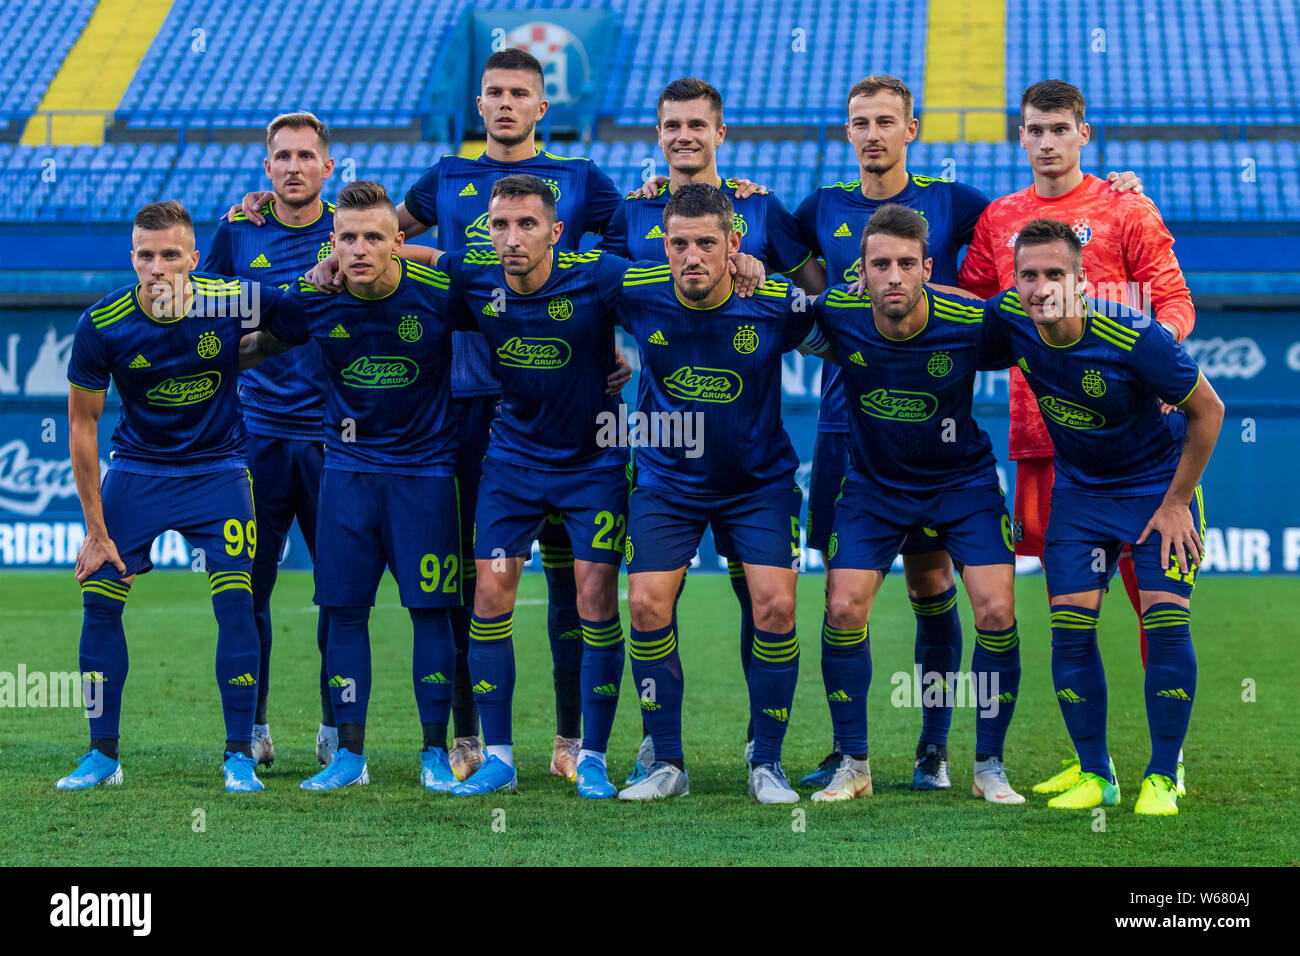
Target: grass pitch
(172,809)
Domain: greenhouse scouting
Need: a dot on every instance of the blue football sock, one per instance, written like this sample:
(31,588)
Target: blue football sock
(322,644)
(1170,683)
(238,651)
(1080,684)
(937,652)
(736,571)
(602,676)
(564,631)
(846,672)
(433,662)
(103,657)
(995,670)
(263,582)
(492,669)
(657,672)
(773,674)
(349,663)
(464,712)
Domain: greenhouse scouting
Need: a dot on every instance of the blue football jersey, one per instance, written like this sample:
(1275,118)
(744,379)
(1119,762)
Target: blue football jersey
(453,195)
(767,230)
(552,351)
(176,377)
(719,368)
(1098,395)
(388,368)
(284,396)
(831,221)
(910,426)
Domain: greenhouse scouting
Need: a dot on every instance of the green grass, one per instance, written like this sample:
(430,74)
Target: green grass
(1239,755)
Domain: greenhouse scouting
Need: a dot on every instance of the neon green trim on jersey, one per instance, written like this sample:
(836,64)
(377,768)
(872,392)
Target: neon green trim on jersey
(704,308)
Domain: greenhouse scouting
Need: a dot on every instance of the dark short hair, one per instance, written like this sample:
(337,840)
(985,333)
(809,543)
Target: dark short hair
(689,88)
(513,58)
(883,83)
(891,219)
(1053,96)
(163,215)
(1042,232)
(364,194)
(695,200)
(522,185)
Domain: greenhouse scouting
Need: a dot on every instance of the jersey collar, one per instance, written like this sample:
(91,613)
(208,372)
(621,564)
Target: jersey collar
(1088,313)
(139,304)
(305,225)
(929,311)
(704,308)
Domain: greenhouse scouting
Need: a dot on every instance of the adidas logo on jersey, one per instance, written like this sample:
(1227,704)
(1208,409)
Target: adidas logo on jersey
(338,332)
(489,311)
(483,687)
(843,232)
(657,338)
(243,680)
(434,678)
(1176,693)
(469,190)
(139,362)
(777,713)
(857,359)
(261,262)
(655,233)
(606,690)
(839,697)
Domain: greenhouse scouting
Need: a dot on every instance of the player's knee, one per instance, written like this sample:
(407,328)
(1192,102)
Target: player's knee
(994,612)
(845,609)
(774,610)
(648,611)
(493,596)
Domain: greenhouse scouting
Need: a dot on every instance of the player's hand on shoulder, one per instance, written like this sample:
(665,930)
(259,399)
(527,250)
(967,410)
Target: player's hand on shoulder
(252,204)
(96,551)
(650,188)
(747,272)
(746,188)
(1177,531)
(325,275)
(1125,182)
(621,375)
(953,290)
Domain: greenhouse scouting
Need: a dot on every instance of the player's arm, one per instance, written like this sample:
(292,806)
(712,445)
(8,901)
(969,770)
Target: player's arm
(84,409)
(1173,519)
(1148,250)
(979,270)
(995,351)
(1125,182)
(282,322)
(220,257)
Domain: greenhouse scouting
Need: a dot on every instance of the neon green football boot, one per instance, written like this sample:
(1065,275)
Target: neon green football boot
(1091,790)
(1062,781)
(1159,796)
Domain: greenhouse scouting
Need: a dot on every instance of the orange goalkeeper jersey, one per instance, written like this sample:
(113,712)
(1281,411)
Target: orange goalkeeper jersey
(1127,255)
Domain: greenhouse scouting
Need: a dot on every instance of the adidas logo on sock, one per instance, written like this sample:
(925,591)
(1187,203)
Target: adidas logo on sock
(839,697)
(649,704)
(1070,697)
(843,232)
(657,338)
(1177,693)
(434,678)
(605,690)
(483,687)
(469,190)
(337,681)
(777,713)
(338,332)
(857,359)
(261,262)
(655,233)
(1007,698)
(573,634)
(243,680)
(139,362)
(94,677)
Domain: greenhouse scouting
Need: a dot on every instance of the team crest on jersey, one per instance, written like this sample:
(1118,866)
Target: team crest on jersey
(738,223)
(718,385)
(381,371)
(519,352)
(186,390)
(554,187)
(323,253)
(899,404)
(1082,230)
(745,340)
(476,233)
(940,364)
(1093,384)
(209,345)
(559,308)
(1069,414)
(409,328)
